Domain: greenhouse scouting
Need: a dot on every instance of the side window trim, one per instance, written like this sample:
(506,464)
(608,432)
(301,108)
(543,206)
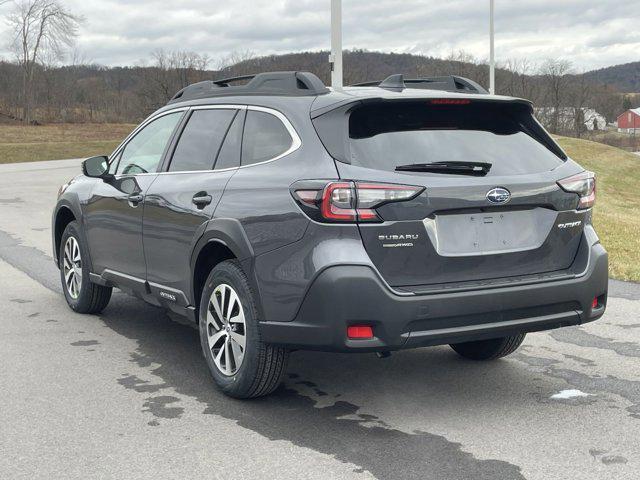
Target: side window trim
(117,153)
(166,163)
(167,160)
(296,142)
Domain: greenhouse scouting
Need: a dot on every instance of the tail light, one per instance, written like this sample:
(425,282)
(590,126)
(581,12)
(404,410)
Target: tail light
(584,184)
(349,202)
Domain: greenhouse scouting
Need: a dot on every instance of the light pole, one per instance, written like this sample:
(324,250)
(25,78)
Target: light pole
(335,58)
(492,57)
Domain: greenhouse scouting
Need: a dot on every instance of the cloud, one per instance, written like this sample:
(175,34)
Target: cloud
(590,34)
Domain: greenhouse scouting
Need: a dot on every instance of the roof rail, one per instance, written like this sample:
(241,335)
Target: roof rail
(450,83)
(269,83)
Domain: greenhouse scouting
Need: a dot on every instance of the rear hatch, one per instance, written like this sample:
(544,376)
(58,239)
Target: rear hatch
(491,207)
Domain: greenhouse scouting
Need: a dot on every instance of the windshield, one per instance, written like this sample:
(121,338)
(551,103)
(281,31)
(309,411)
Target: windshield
(385,136)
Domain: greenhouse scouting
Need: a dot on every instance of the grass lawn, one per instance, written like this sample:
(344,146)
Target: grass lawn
(19,143)
(617,210)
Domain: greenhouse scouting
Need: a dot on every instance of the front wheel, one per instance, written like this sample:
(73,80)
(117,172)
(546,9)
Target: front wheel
(491,349)
(82,295)
(241,364)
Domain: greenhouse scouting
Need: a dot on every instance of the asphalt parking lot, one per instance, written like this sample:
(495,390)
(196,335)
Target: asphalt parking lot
(127,394)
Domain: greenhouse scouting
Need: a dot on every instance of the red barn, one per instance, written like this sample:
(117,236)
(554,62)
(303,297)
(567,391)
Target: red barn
(629,121)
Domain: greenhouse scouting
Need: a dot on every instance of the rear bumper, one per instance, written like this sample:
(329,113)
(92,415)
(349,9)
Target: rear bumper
(346,295)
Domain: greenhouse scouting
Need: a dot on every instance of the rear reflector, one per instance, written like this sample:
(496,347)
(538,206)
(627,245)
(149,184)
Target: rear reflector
(594,304)
(584,184)
(309,197)
(359,332)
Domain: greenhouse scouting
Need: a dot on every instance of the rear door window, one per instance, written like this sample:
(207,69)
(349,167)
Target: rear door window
(385,136)
(201,139)
(265,138)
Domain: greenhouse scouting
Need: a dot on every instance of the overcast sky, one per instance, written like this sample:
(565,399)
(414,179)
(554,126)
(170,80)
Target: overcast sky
(592,34)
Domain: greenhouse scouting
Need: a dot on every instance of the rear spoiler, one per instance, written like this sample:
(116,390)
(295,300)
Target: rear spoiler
(355,101)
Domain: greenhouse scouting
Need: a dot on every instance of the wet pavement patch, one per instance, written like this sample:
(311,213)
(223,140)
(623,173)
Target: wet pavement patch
(613,459)
(631,326)
(311,385)
(583,361)
(11,201)
(160,407)
(533,360)
(132,382)
(85,343)
(627,389)
(582,338)
(31,261)
(607,459)
(171,352)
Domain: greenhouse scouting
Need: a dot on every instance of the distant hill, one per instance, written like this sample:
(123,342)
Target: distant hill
(625,78)
(95,93)
(363,65)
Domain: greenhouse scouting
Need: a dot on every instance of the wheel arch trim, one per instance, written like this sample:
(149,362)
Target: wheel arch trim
(229,233)
(71,204)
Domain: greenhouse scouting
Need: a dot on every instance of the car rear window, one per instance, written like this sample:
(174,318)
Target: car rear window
(386,135)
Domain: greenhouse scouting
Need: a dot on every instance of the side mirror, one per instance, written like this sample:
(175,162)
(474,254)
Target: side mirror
(97,167)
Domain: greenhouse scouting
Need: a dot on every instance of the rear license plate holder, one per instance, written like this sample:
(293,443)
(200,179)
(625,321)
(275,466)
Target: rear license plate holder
(490,233)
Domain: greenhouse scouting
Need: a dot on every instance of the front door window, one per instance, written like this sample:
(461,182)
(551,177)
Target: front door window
(144,151)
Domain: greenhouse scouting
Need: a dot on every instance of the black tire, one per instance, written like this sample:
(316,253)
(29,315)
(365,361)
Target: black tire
(91,298)
(262,365)
(491,349)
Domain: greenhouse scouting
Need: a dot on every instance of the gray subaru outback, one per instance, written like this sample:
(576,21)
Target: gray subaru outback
(278,214)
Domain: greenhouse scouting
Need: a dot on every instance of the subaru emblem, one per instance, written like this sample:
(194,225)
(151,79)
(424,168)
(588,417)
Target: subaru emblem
(498,195)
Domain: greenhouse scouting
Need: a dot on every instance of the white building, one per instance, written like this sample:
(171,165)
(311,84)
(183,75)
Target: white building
(591,119)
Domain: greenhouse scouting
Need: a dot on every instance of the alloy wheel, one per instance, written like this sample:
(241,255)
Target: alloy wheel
(72,267)
(226,330)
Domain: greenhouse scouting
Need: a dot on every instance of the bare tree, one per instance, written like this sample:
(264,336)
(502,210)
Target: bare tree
(42,29)
(171,71)
(514,79)
(241,62)
(580,93)
(555,79)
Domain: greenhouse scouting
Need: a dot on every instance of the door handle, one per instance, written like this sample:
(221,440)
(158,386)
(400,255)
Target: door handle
(201,199)
(134,199)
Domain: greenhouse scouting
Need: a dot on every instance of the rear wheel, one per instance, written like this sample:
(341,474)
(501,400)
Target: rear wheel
(491,349)
(82,295)
(241,364)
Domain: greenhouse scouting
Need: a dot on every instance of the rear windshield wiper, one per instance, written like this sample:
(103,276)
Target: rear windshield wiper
(477,169)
